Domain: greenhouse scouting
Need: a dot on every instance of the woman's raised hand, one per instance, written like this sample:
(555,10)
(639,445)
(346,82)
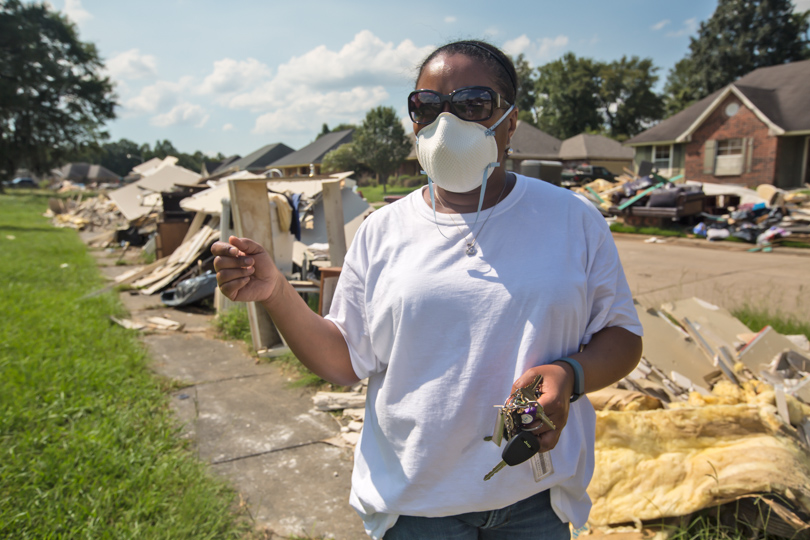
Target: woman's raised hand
(245,272)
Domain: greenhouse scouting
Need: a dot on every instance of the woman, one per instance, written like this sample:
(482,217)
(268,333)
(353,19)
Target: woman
(451,299)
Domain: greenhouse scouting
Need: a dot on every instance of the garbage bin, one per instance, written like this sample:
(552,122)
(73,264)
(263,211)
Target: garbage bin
(548,171)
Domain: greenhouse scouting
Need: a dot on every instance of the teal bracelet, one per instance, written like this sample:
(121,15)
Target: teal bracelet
(579,376)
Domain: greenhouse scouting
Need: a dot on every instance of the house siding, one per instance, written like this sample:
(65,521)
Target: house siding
(744,124)
(678,159)
(642,153)
(645,153)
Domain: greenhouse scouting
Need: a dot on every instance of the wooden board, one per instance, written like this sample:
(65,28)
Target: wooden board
(221,302)
(333,212)
(250,208)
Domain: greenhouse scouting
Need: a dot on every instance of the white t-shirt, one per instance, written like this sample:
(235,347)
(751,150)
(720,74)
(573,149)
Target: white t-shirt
(442,336)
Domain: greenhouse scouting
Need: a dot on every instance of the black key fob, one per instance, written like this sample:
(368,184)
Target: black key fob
(520,448)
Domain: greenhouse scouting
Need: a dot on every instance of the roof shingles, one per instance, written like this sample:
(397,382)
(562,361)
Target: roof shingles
(779,92)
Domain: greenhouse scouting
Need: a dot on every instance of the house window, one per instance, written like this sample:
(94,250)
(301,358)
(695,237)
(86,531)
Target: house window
(662,158)
(729,157)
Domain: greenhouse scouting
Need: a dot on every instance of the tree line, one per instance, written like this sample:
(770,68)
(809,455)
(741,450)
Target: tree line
(572,95)
(55,98)
(120,156)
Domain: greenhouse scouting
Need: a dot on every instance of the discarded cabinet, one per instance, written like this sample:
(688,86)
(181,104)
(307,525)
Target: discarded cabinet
(329,279)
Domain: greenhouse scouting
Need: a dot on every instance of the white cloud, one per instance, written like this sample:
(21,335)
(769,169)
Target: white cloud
(159,96)
(183,114)
(365,62)
(231,76)
(537,51)
(75,12)
(801,5)
(449,19)
(689,27)
(660,24)
(310,110)
(132,64)
(228,127)
(517,46)
(322,85)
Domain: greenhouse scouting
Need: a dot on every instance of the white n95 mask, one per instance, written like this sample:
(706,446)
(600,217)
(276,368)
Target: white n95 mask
(457,155)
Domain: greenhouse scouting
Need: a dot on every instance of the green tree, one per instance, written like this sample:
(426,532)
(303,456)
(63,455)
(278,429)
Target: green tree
(626,98)
(567,96)
(527,90)
(53,97)
(741,36)
(112,155)
(381,144)
(679,92)
(340,159)
(340,127)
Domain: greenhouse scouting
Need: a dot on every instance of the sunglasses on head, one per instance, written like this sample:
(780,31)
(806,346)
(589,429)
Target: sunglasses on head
(471,103)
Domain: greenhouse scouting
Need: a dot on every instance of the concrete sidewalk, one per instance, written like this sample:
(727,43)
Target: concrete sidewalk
(264,436)
(244,419)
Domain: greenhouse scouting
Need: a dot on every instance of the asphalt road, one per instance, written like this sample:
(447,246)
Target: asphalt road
(725,274)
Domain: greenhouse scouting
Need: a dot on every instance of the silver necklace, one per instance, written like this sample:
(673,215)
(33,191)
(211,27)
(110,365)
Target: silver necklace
(470,249)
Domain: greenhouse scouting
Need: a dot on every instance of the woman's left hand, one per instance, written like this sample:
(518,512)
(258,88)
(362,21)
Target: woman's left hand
(556,387)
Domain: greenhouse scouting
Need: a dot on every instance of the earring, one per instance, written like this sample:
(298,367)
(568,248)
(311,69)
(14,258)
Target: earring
(509,151)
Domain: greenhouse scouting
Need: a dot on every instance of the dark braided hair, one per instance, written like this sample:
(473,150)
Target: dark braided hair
(500,64)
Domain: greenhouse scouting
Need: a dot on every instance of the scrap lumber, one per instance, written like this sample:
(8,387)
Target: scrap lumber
(221,302)
(138,272)
(333,401)
(162,323)
(333,213)
(127,323)
(177,263)
(250,208)
(196,225)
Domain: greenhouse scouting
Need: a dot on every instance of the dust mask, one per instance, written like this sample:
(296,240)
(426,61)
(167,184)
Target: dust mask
(457,155)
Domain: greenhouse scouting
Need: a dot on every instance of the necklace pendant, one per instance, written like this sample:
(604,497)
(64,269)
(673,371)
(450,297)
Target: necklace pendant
(470,249)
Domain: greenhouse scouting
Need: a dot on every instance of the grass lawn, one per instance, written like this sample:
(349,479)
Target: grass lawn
(375,193)
(88,447)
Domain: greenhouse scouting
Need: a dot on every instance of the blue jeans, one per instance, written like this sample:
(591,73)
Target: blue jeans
(529,518)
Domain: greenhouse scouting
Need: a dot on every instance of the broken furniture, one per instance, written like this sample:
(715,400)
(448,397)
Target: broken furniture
(682,206)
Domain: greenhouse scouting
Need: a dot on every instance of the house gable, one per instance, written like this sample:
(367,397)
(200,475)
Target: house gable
(722,100)
(743,130)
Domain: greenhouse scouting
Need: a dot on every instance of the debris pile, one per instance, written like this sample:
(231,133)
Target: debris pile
(175,216)
(764,216)
(713,414)
(95,213)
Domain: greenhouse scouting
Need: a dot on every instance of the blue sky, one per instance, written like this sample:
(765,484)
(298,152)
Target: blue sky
(233,76)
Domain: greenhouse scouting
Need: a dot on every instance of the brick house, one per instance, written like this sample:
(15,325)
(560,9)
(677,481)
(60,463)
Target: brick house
(754,131)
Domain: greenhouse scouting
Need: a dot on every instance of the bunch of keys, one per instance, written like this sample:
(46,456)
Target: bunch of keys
(520,409)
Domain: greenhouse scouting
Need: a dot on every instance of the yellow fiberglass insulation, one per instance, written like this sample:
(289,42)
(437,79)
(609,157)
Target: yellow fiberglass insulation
(714,449)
